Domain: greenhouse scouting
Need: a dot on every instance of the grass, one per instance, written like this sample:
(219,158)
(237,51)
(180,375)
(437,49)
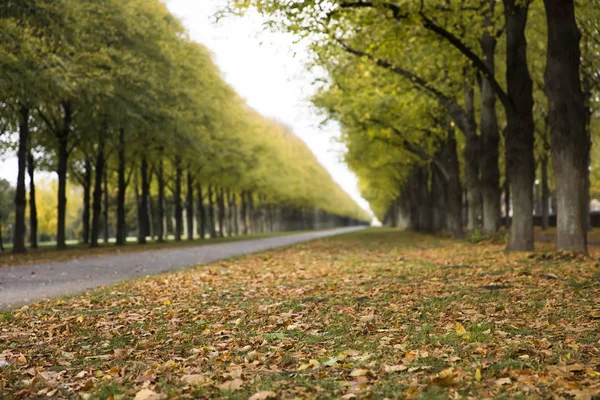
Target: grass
(47,253)
(372,314)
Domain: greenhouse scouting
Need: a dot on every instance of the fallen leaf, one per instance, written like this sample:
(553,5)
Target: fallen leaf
(262,395)
(194,379)
(460,329)
(503,381)
(147,394)
(395,368)
(359,372)
(231,386)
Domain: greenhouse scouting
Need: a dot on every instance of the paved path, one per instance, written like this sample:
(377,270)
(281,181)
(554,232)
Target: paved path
(29,283)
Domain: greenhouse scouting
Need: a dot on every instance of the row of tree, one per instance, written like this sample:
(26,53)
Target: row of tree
(113,95)
(429,92)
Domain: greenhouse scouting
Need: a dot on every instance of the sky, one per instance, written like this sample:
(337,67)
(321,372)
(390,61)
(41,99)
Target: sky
(268,70)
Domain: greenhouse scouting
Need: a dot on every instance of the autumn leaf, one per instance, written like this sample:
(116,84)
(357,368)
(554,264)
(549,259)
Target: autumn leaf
(147,394)
(460,329)
(262,395)
(194,379)
(503,381)
(235,384)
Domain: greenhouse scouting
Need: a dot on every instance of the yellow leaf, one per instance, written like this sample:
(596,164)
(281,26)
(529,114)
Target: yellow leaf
(80,319)
(478,375)
(460,329)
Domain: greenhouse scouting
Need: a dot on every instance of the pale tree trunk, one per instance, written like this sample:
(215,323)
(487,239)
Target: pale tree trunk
(568,135)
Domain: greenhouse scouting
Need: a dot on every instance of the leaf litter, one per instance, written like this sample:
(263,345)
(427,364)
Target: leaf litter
(394,320)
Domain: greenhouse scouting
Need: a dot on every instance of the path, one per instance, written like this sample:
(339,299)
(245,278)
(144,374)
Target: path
(29,283)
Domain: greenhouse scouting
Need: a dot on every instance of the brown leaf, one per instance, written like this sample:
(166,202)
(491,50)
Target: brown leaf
(194,379)
(235,384)
(147,394)
(262,395)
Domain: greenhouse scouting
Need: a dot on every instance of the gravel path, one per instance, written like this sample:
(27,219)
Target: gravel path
(29,283)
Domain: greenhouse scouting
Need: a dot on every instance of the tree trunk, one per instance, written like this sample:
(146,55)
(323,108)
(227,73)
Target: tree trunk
(221,211)
(161,202)
(211,213)
(87,203)
(520,164)
(251,212)
(201,212)
(20,194)
(453,187)
(545,194)
(507,203)
(1,239)
(177,201)
(490,137)
(236,224)
(63,155)
(33,222)
(190,206)
(566,111)
(472,153)
(97,196)
(244,212)
(122,187)
(144,210)
(106,203)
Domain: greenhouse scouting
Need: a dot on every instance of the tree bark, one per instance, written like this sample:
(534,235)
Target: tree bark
(507,203)
(144,210)
(545,194)
(490,137)
(454,190)
(568,134)
(244,213)
(33,222)
(236,224)
(122,187)
(20,193)
(190,206)
(63,163)
(520,163)
(221,212)
(161,202)
(87,201)
(97,196)
(472,153)
(201,212)
(177,201)
(106,203)
(211,213)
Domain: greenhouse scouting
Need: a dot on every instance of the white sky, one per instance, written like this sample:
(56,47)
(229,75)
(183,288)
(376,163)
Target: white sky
(268,70)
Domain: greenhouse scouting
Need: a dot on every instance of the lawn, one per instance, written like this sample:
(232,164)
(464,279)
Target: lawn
(373,314)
